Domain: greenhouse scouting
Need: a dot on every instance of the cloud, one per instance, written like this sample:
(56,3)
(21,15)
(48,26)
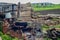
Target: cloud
(50,1)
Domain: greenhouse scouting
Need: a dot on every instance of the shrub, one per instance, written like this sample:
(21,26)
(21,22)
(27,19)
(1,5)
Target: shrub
(1,33)
(6,37)
(15,39)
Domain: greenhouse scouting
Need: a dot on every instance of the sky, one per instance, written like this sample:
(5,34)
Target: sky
(32,1)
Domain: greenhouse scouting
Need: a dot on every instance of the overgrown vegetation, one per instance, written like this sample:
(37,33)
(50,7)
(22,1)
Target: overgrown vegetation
(4,36)
(37,7)
(45,27)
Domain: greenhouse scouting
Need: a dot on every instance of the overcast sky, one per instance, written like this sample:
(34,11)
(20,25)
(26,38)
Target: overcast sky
(32,1)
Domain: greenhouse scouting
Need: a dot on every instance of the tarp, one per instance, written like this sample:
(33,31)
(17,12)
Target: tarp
(8,15)
(24,24)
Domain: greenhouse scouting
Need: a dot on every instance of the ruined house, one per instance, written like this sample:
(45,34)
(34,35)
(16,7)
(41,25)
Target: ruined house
(8,8)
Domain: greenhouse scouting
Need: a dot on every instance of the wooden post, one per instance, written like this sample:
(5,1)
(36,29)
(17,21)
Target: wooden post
(18,11)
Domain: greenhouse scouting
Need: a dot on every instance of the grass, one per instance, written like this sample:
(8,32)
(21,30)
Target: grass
(45,27)
(57,26)
(40,8)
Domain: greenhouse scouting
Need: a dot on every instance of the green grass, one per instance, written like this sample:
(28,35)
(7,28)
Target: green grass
(40,8)
(57,26)
(45,27)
